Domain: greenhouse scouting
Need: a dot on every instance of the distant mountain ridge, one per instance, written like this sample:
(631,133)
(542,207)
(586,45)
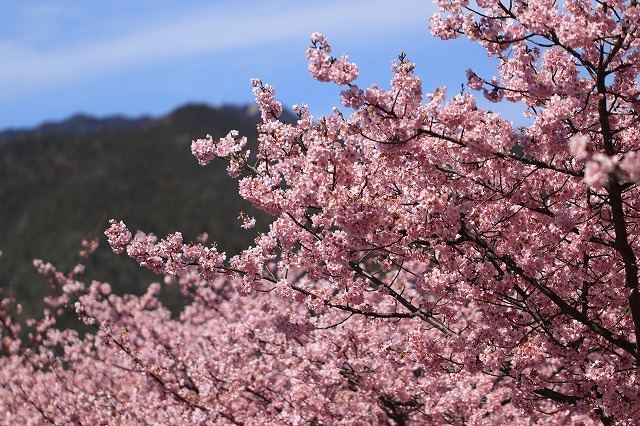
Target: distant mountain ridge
(62,181)
(81,123)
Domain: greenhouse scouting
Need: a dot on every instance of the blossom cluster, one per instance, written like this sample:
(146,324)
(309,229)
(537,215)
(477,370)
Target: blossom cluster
(449,215)
(326,68)
(428,261)
(229,359)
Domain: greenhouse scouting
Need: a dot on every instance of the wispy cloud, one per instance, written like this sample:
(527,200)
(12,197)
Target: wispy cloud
(216,29)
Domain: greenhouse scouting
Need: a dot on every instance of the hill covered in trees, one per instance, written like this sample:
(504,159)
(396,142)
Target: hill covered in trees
(62,181)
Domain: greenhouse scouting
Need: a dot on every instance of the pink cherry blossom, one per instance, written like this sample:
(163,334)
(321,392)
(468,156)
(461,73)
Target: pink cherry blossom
(597,171)
(631,165)
(428,260)
(326,68)
(118,236)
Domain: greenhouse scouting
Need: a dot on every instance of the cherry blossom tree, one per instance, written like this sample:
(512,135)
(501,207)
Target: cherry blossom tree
(231,359)
(428,262)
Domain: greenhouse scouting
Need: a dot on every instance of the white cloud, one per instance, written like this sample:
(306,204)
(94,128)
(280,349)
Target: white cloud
(221,28)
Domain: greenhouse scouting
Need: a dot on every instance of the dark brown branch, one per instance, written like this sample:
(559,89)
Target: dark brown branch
(565,308)
(557,396)
(615,201)
(427,317)
(504,155)
(356,311)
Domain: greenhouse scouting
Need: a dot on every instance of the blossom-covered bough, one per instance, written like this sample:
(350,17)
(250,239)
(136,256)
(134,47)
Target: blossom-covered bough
(428,262)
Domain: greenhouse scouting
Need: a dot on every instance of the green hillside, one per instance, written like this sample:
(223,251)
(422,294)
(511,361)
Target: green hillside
(55,189)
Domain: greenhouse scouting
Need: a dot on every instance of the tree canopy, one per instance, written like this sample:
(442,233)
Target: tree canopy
(428,262)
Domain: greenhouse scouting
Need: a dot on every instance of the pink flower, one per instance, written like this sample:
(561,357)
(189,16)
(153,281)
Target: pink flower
(578,146)
(598,171)
(352,97)
(248,222)
(326,68)
(631,165)
(473,81)
(118,236)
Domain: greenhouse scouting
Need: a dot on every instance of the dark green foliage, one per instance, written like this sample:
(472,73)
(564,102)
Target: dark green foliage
(56,189)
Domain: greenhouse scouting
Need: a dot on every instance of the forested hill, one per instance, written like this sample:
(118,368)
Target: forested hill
(64,180)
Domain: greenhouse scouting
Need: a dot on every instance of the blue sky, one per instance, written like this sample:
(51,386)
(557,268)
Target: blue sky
(60,57)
